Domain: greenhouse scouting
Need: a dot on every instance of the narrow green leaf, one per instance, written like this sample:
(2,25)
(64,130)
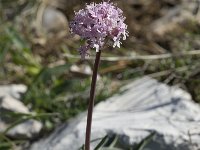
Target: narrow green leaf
(113,148)
(112,144)
(3,52)
(5,146)
(145,141)
(102,143)
(16,39)
(16,123)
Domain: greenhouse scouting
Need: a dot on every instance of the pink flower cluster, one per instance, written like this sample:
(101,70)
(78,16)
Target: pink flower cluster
(97,23)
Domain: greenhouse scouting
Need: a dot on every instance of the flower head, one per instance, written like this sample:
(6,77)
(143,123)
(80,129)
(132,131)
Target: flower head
(96,23)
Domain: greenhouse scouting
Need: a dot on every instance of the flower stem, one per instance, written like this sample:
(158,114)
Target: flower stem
(91,101)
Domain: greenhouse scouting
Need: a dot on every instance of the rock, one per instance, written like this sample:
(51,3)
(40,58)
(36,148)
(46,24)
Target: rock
(176,20)
(2,126)
(26,130)
(81,70)
(13,90)
(141,107)
(8,98)
(9,102)
(54,21)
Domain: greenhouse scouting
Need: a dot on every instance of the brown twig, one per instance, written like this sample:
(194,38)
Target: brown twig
(141,57)
(91,101)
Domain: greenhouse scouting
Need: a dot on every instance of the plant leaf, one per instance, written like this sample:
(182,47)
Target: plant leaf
(145,141)
(102,143)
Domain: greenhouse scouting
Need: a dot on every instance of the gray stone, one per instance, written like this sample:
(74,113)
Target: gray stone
(9,95)
(141,107)
(54,21)
(9,102)
(175,20)
(13,90)
(81,70)
(26,130)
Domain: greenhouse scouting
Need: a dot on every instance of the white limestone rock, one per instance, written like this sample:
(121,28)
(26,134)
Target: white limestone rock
(27,130)
(9,95)
(141,107)
(9,102)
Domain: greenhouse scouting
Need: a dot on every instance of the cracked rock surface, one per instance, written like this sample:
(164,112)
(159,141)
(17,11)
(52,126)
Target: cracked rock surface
(142,107)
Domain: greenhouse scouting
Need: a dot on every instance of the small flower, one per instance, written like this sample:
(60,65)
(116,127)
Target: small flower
(96,23)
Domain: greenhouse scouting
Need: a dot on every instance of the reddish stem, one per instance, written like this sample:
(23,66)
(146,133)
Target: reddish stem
(91,101)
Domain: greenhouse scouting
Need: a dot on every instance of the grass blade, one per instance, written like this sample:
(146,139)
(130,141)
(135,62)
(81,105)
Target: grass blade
(102,143)
(145,141)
